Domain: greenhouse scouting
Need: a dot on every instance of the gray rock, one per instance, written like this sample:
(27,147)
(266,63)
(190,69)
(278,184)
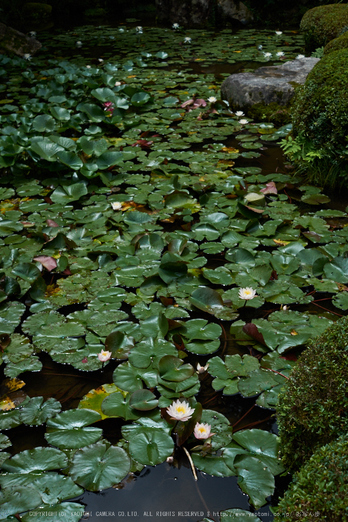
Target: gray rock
(187,13)
(198,13)
(235,10)
(266,84)
(17,42)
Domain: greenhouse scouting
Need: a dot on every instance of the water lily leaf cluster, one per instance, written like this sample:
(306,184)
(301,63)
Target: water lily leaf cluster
(133,212)
(250,377)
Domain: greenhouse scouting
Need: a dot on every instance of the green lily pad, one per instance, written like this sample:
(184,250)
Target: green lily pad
(151,446)
(255,480)
(99,466)
(143,400)
(37,459)
(18,499)
(70,430)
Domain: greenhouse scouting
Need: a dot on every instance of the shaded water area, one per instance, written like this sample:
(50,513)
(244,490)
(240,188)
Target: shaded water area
(157,141)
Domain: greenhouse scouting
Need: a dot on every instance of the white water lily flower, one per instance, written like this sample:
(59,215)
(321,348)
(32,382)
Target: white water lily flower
(267,55)
(139,29)
(27,56)
(212,99)
(243,121)
(116,205)
(104,355)
(300,56)
(202,431)
(260,47)
(117,84)
(175,26)
(78,43)
(187,39)
(246,293)
(180,411)
(32,34)
(88,67)
(239,114)
(202,369)
(278,33)
(280,53)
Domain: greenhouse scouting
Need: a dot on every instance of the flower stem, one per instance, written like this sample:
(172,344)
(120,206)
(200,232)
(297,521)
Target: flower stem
(191,463)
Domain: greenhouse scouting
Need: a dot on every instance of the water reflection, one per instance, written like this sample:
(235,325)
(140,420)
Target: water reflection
(165,493)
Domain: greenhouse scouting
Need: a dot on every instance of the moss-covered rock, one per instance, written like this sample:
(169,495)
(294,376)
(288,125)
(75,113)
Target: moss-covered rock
(319,489)
(337,43)
(273,112)
(322,24)
(313,405)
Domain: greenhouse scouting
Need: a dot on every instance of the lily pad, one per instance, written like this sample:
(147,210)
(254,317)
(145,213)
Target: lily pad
(70,430)
(99,466)
(151,446)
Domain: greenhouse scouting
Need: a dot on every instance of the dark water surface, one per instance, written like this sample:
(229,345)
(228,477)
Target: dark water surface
(165,493)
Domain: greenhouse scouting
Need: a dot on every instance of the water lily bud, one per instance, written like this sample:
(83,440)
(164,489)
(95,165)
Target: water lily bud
(202,369)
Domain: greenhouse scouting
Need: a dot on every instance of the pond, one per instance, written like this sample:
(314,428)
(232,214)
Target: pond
(156,247)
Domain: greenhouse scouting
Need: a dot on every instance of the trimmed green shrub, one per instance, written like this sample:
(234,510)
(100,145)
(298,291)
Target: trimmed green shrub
(337,43)
(318,144)
(322,24)
(319,489)
(313,405)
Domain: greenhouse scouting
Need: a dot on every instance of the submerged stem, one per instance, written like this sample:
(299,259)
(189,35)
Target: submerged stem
(191,463)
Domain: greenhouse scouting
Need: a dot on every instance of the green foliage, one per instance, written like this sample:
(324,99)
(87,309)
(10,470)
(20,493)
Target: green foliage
(319,119)
(322,24)
(318,53)
(319,489)
(341,42)
(312,406)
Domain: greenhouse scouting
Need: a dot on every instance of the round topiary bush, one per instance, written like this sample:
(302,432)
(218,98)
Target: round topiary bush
(322,24)
(313,405)
(320,122)
(337,43)
(319,489)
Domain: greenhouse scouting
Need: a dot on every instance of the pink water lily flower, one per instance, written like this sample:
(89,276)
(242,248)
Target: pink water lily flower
(202,431)
(104,355)
(109,107)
